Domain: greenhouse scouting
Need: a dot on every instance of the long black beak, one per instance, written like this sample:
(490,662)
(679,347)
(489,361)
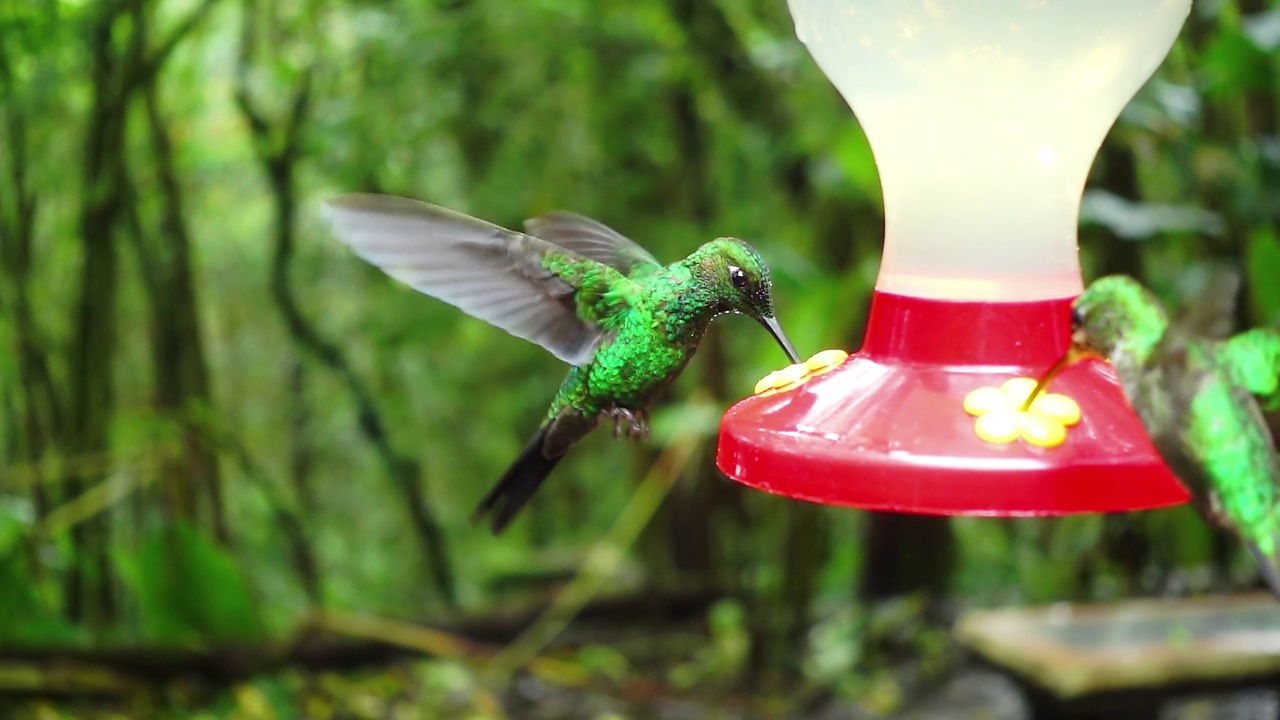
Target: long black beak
(776,329)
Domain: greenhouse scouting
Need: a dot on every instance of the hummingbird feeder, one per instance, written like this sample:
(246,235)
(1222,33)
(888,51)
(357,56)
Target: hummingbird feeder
(984,117)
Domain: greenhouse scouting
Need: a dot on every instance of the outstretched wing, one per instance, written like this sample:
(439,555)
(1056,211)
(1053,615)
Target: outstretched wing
(491,273)
(593,240)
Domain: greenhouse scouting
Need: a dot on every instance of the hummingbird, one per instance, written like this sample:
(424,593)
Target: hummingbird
(626,323)
(1204,401)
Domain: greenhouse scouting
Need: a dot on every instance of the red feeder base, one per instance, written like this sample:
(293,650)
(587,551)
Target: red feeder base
(887,429)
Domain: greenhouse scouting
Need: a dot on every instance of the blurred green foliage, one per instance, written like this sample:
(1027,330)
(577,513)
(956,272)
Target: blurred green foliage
(183,461)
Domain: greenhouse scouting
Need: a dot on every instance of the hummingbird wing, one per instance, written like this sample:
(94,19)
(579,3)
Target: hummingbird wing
(1220,445)
(594,240)
(1252,359)
(1210,291)
(489,272)
(1252,363)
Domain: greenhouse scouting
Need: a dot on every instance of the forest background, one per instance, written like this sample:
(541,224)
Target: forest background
(219,427)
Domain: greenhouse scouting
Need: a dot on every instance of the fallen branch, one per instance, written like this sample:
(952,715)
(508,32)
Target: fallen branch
(327,641)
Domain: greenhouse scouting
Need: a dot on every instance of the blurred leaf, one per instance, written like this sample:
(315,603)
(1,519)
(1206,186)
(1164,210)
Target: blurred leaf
(605,661)
(1233,63)
(727,653)
(252,704)
(1263,29)
(1262,265)
(16,516)
(1161,101)
(28,618)
(188,587)
(697,417)
(1140,221)
(855,157)
(1189,536)
(834,647)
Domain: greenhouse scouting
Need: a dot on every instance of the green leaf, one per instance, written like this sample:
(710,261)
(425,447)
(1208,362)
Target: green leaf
(1233,63)
(189,588)
(28,618)
(854,155)
(1262,264)
(15,523)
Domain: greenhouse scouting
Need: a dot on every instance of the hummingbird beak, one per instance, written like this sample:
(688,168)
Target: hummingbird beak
(776,329)
(1079,349)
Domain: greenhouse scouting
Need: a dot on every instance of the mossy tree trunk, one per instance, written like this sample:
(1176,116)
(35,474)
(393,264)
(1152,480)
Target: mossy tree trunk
(278,145)
(190,478)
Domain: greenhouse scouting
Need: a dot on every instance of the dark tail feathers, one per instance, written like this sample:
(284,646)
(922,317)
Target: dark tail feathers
(517,485)
(1270,567)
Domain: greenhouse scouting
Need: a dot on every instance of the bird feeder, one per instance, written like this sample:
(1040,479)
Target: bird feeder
(984,117)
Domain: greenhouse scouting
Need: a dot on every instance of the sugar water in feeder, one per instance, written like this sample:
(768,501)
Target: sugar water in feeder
(984,117)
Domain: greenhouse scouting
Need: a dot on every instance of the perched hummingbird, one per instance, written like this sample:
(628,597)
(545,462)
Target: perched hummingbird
(626,323)
(1203,402)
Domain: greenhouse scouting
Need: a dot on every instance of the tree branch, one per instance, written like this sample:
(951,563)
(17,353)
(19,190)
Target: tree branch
(279,156)
(151,65)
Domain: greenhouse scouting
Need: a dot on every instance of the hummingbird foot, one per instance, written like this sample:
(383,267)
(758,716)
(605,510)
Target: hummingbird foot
(630,424)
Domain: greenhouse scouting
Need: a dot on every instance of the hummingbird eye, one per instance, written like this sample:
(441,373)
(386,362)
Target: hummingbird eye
(737,276)
(1077,318)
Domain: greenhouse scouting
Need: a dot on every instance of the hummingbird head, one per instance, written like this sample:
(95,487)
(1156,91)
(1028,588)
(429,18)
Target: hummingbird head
(1116,318)
(739,282)
(1119,318)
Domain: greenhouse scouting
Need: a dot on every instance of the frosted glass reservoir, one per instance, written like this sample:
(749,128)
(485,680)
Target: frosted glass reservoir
(984,117)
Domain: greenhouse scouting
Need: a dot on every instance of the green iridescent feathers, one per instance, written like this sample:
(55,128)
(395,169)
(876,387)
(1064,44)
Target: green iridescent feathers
(748,291)
(1122,318)
(1253,360)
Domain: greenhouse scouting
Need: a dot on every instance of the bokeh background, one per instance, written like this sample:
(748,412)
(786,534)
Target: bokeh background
(228,446)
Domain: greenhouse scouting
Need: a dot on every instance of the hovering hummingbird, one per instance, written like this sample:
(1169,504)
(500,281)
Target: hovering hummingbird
(626,323)
(1203,402)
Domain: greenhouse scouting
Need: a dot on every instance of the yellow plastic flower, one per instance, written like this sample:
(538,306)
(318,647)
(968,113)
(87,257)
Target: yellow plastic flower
(793,376)
(1001,418)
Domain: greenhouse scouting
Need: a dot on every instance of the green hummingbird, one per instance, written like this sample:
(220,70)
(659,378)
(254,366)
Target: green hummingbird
(626,323)
(1204,402)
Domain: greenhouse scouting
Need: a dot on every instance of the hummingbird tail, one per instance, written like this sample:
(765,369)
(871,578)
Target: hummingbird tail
(1269,565)
(518,484)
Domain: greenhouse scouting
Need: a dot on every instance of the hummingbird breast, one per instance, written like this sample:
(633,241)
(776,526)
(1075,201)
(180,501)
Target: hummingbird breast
(632,367)
(645,348)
